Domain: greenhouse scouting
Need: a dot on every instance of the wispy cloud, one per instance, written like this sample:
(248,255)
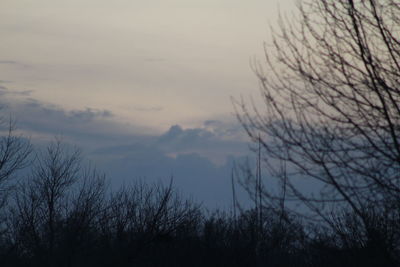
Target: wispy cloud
(4,90)
(14,63)
(10,62)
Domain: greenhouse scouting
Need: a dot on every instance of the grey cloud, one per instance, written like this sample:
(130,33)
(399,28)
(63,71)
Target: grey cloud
(193,174)
(202,140)
(178,137)
(14,63)
(6,91)
(186,154)
(11,62)
(92,127)
(23,93)
(87,126)
(212,123)
(85,115)
(90,114)
(177,141)
(227,129)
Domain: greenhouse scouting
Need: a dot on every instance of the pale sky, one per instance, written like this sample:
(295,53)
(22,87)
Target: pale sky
(152,63)
(143,86)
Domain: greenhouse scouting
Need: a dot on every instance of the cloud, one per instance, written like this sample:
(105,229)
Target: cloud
(101,130)
(6,91)
(193,174)
(42,121)
(89,114)
(199,159)
(178,141)
(55,112)
(214,143)
(10,62)
(226,129)
(14,63)
(189,138)
(212,123)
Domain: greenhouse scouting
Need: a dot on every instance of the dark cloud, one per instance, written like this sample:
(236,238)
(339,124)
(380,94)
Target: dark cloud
(226,129)
(212,143)
(177,141)
(189,138)
(195,175)
(199,159)
(101,129)
(186,154)
(87,126)
(55,112)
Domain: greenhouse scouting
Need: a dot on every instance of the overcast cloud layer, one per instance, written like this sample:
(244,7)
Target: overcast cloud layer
(143,87)
(158,63)
(200,159)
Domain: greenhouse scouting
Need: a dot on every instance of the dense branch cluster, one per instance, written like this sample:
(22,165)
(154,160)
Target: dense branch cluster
(61,213)
(332,107)
(330,124)
(329,137)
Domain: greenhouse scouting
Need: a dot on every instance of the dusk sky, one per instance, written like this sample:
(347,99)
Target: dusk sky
(143,87)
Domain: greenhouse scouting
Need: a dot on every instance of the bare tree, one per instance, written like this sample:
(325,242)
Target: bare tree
(14,152)
(141,216)
(14,155)
(56,207)
(331,89)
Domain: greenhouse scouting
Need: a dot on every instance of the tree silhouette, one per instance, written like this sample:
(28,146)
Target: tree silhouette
(14,152)
(331,120)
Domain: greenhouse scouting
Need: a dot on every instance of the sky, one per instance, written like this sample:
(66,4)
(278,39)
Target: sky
(144,87)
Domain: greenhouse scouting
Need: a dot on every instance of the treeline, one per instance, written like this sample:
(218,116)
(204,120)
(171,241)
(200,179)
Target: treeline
(63,214)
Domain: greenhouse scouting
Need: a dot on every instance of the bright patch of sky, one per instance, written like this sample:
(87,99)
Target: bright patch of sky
(154,63)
